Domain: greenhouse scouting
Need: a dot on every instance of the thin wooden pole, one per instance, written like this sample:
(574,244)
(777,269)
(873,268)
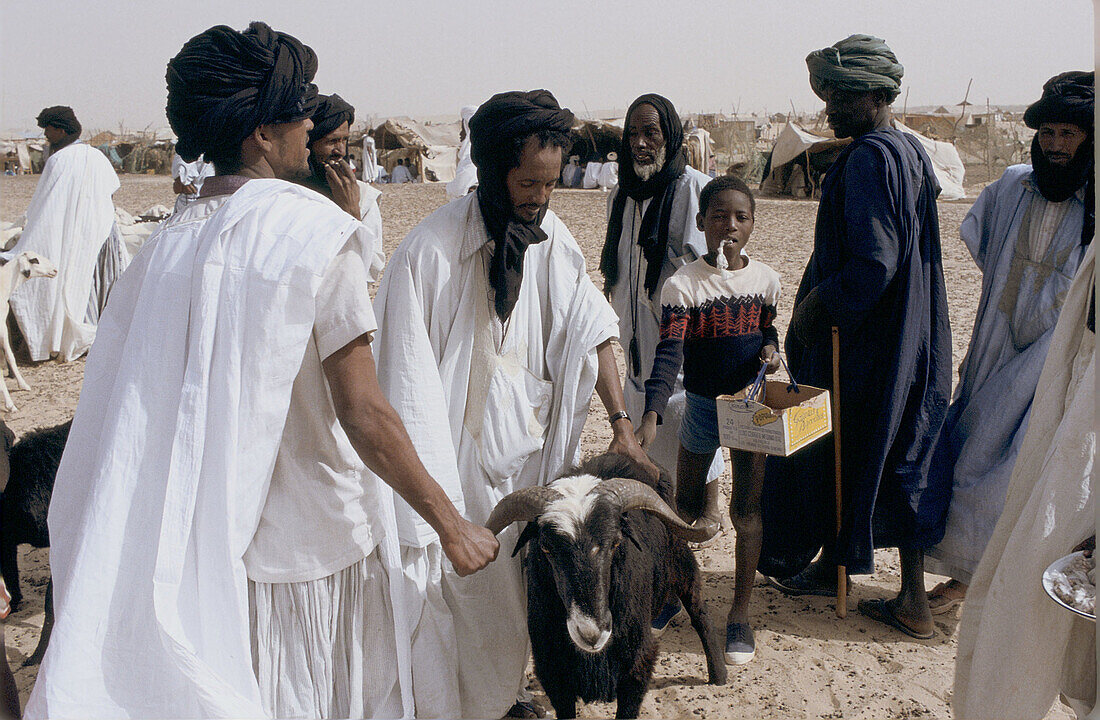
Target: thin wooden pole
(841,570)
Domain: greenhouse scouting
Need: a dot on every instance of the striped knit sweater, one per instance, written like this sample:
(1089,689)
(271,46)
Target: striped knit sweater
(714,323)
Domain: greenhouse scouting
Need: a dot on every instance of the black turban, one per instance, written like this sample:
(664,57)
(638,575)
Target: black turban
(332,111)
(494,128)
(61,117)
(653,234)
(1067,98)
(224,84)
(858,63)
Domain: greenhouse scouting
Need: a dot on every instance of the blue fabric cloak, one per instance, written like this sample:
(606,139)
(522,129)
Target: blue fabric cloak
(876,274)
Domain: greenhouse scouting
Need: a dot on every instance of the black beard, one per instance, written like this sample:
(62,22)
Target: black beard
(317,174)
(1059,182)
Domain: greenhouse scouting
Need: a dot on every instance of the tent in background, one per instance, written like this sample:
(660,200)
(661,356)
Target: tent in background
(432,148)
(800,158)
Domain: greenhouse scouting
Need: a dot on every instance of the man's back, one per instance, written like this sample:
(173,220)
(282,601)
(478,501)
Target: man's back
(185,396)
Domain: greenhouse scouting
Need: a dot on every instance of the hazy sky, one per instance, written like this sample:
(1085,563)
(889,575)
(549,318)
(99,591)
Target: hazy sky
(423,57)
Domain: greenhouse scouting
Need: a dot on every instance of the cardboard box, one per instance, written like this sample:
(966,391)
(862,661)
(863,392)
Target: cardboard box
(782,424)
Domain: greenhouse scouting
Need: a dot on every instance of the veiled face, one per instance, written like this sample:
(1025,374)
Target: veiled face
(1060,141)
(289,155)
(850,114)
(531,182)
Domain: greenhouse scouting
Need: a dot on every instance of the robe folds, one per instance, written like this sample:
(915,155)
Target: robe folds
(491,408)
(1017,649)
(170,459)
(686,243)
(69,219)
(877,275)
(1022,293)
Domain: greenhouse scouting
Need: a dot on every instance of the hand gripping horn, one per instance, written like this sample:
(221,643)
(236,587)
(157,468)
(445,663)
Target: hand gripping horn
(634,495)
(521,506)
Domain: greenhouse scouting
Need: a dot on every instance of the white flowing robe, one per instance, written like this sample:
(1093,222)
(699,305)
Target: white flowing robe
(372,218)
(69,219)
(1022,293)
(491,409)
(465,171)
(1017,649)
(170,458)
(686,243)
(190,173)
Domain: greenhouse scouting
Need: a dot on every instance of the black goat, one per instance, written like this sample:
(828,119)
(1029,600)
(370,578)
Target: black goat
(591,598)
(32,463)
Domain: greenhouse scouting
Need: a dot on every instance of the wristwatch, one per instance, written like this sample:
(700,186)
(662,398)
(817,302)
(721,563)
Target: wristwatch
(616,416)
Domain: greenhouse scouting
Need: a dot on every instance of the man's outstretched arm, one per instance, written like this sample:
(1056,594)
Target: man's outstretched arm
(377,434)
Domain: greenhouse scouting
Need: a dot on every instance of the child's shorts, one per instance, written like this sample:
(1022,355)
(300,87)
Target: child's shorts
(699,429)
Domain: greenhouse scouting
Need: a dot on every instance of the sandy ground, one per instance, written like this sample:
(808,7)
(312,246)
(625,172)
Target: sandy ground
(809,664)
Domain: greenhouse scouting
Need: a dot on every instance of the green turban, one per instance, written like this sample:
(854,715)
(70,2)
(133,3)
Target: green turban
(859,63)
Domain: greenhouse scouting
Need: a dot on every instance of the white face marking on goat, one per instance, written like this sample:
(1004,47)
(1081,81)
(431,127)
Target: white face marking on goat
(568,513)
(585,632)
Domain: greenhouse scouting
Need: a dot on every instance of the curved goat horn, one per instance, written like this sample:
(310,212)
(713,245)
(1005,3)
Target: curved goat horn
(634,495)
(521,506)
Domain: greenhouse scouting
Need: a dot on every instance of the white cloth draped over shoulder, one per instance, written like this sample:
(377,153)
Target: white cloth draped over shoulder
(1017,649)
(371,216)
(640,315)
(190,173)
(69,219)
(466,171)
(491,408)
(170,458)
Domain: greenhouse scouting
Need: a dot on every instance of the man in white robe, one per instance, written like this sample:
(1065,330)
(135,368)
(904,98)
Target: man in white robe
(651,219)
(218,549)
(70,218)
(1017,649)
(465,171)
(1027,232)
(370,160)
(187,179)
(332,175)
(495,288)
(400,173)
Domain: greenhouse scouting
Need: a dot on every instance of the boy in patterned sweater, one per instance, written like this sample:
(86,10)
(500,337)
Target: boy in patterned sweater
(716,320)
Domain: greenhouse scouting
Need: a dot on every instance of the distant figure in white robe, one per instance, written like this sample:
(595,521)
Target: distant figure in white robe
(219,547)
(495,289)
(187,179)
(401,173)
(571,174)
(370,160)
(465,170)
(1028,232)
(69,220)
(609,173)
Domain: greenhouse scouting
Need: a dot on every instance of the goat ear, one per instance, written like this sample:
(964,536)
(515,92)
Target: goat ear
(629,535)
(530,530)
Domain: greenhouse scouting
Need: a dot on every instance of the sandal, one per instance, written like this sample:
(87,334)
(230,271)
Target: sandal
(940,603)
(882,611)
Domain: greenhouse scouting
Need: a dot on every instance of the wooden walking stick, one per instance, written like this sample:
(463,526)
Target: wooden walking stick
(841,570)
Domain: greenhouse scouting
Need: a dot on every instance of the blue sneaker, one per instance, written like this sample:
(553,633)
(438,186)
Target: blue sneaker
(670,612)
(740,644)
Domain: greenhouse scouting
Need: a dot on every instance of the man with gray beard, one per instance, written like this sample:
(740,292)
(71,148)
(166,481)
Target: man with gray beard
(651,231)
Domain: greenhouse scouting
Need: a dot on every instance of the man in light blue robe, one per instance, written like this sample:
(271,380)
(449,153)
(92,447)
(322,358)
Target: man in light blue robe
(1028,233)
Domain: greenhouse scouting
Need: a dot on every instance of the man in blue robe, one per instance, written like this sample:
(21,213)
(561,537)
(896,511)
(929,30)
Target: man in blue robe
(875,274)
(1028,233)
